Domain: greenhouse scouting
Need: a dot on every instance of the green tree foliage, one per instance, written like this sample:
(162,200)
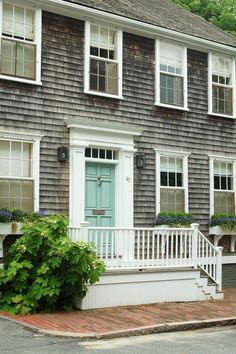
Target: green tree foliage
(45,270)
(221,13)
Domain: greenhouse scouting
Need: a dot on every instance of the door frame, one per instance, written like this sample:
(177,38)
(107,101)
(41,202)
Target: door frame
(100,135)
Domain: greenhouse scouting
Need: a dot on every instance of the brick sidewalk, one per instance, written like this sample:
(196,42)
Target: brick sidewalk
(130,320)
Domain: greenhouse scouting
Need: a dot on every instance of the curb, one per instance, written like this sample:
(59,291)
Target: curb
(160,328)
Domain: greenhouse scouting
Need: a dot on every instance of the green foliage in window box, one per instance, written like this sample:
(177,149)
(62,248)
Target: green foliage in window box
(18,215)
(45,270)
(174,219)
(226,222)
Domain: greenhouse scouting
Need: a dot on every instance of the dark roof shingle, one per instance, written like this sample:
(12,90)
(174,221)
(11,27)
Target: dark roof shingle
(162,13)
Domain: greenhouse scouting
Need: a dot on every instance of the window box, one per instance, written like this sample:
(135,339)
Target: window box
(10,228)
(169,219)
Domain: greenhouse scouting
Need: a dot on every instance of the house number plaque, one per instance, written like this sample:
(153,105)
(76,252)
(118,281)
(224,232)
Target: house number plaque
(98,212)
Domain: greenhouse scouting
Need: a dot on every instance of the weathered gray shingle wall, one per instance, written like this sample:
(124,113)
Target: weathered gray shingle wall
(42,109)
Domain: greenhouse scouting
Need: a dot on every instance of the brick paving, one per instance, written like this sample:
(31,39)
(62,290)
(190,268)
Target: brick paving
(130,318)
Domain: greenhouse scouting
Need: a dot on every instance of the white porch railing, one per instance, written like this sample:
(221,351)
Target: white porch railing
(138,248)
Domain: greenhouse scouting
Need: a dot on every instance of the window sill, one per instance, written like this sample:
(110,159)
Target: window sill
(185,109)
(101,94)
(220,115)
(17,79)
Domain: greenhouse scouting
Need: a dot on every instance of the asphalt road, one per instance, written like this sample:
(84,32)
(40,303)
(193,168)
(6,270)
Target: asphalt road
(16,339)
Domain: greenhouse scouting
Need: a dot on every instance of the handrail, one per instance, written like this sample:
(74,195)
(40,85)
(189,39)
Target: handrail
(139,248)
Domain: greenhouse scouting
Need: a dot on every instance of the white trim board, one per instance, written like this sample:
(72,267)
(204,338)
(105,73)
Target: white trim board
(129,25)
(83,135)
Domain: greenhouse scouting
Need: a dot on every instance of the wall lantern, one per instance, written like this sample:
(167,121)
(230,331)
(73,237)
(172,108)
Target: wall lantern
(140,160)
(62,154)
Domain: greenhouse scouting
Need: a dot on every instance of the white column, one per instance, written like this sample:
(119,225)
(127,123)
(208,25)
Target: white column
(195,244)
(125,190)
(77,185)
(219,268)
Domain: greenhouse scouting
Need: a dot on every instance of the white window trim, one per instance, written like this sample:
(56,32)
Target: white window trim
(169,153)
(119,61)
(38,40)
(229,159)
(210,103)
(157,77)
(35,140)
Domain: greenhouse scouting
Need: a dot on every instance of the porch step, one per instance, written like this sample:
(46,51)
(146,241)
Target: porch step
(135,287)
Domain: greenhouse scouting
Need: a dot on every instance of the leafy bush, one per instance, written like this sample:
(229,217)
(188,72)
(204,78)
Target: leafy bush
(173,219)
(45,270)
(227,222)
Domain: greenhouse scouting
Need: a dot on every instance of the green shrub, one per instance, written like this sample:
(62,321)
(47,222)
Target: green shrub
(45,270)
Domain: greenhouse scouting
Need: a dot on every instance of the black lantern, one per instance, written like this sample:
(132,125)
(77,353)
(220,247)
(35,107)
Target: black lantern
(140,160)
(62,154)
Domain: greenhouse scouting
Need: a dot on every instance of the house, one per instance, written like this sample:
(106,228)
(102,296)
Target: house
(112,111)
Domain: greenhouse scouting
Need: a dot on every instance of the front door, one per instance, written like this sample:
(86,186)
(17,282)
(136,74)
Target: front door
(100,201)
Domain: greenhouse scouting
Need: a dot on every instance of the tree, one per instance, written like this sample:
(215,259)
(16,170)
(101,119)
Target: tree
(221,13)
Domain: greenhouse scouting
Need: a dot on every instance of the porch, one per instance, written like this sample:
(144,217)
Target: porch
(147,265)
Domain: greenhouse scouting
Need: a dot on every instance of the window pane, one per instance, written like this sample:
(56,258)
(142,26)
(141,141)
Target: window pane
(19,22)
(164,179)
(171,90)
(18,59)
(216,182)
(29,25)
(172,200)
(172,179)
(7,23)
(179,180)
(224,202)
(4,190)
(16,194)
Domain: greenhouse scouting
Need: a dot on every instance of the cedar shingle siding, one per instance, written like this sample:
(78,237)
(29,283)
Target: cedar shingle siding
(42,109)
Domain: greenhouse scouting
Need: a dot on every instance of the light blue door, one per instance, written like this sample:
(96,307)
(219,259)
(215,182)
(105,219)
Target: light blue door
(100,197)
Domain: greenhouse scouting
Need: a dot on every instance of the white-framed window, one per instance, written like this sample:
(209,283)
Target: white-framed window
(171,181)
(103,60)
(171,75)
(221,71)
(222,185)
(20,50)
(19,171)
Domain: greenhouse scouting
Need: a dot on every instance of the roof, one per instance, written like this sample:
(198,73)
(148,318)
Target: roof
(162,13)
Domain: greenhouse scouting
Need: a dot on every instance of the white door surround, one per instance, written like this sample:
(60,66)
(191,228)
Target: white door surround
(90,133)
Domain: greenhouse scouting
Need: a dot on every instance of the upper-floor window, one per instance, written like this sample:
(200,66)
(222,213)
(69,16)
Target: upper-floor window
(222,186)
(103,60)
(171,75)
(20,42)
(172,182)
(19,173)
(221,85)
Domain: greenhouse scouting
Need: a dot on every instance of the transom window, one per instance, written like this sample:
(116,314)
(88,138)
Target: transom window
(20,46)
(16,175)
(172,187)
(104,154)
(171,74)
(222,84)
(224,194)
(103,66)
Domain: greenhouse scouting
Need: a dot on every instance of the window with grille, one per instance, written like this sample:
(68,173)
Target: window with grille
(16,175)
(224,194)
(171,74)
(222,83)
(103,60)
(103,154)
(171,189)
(20,47)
